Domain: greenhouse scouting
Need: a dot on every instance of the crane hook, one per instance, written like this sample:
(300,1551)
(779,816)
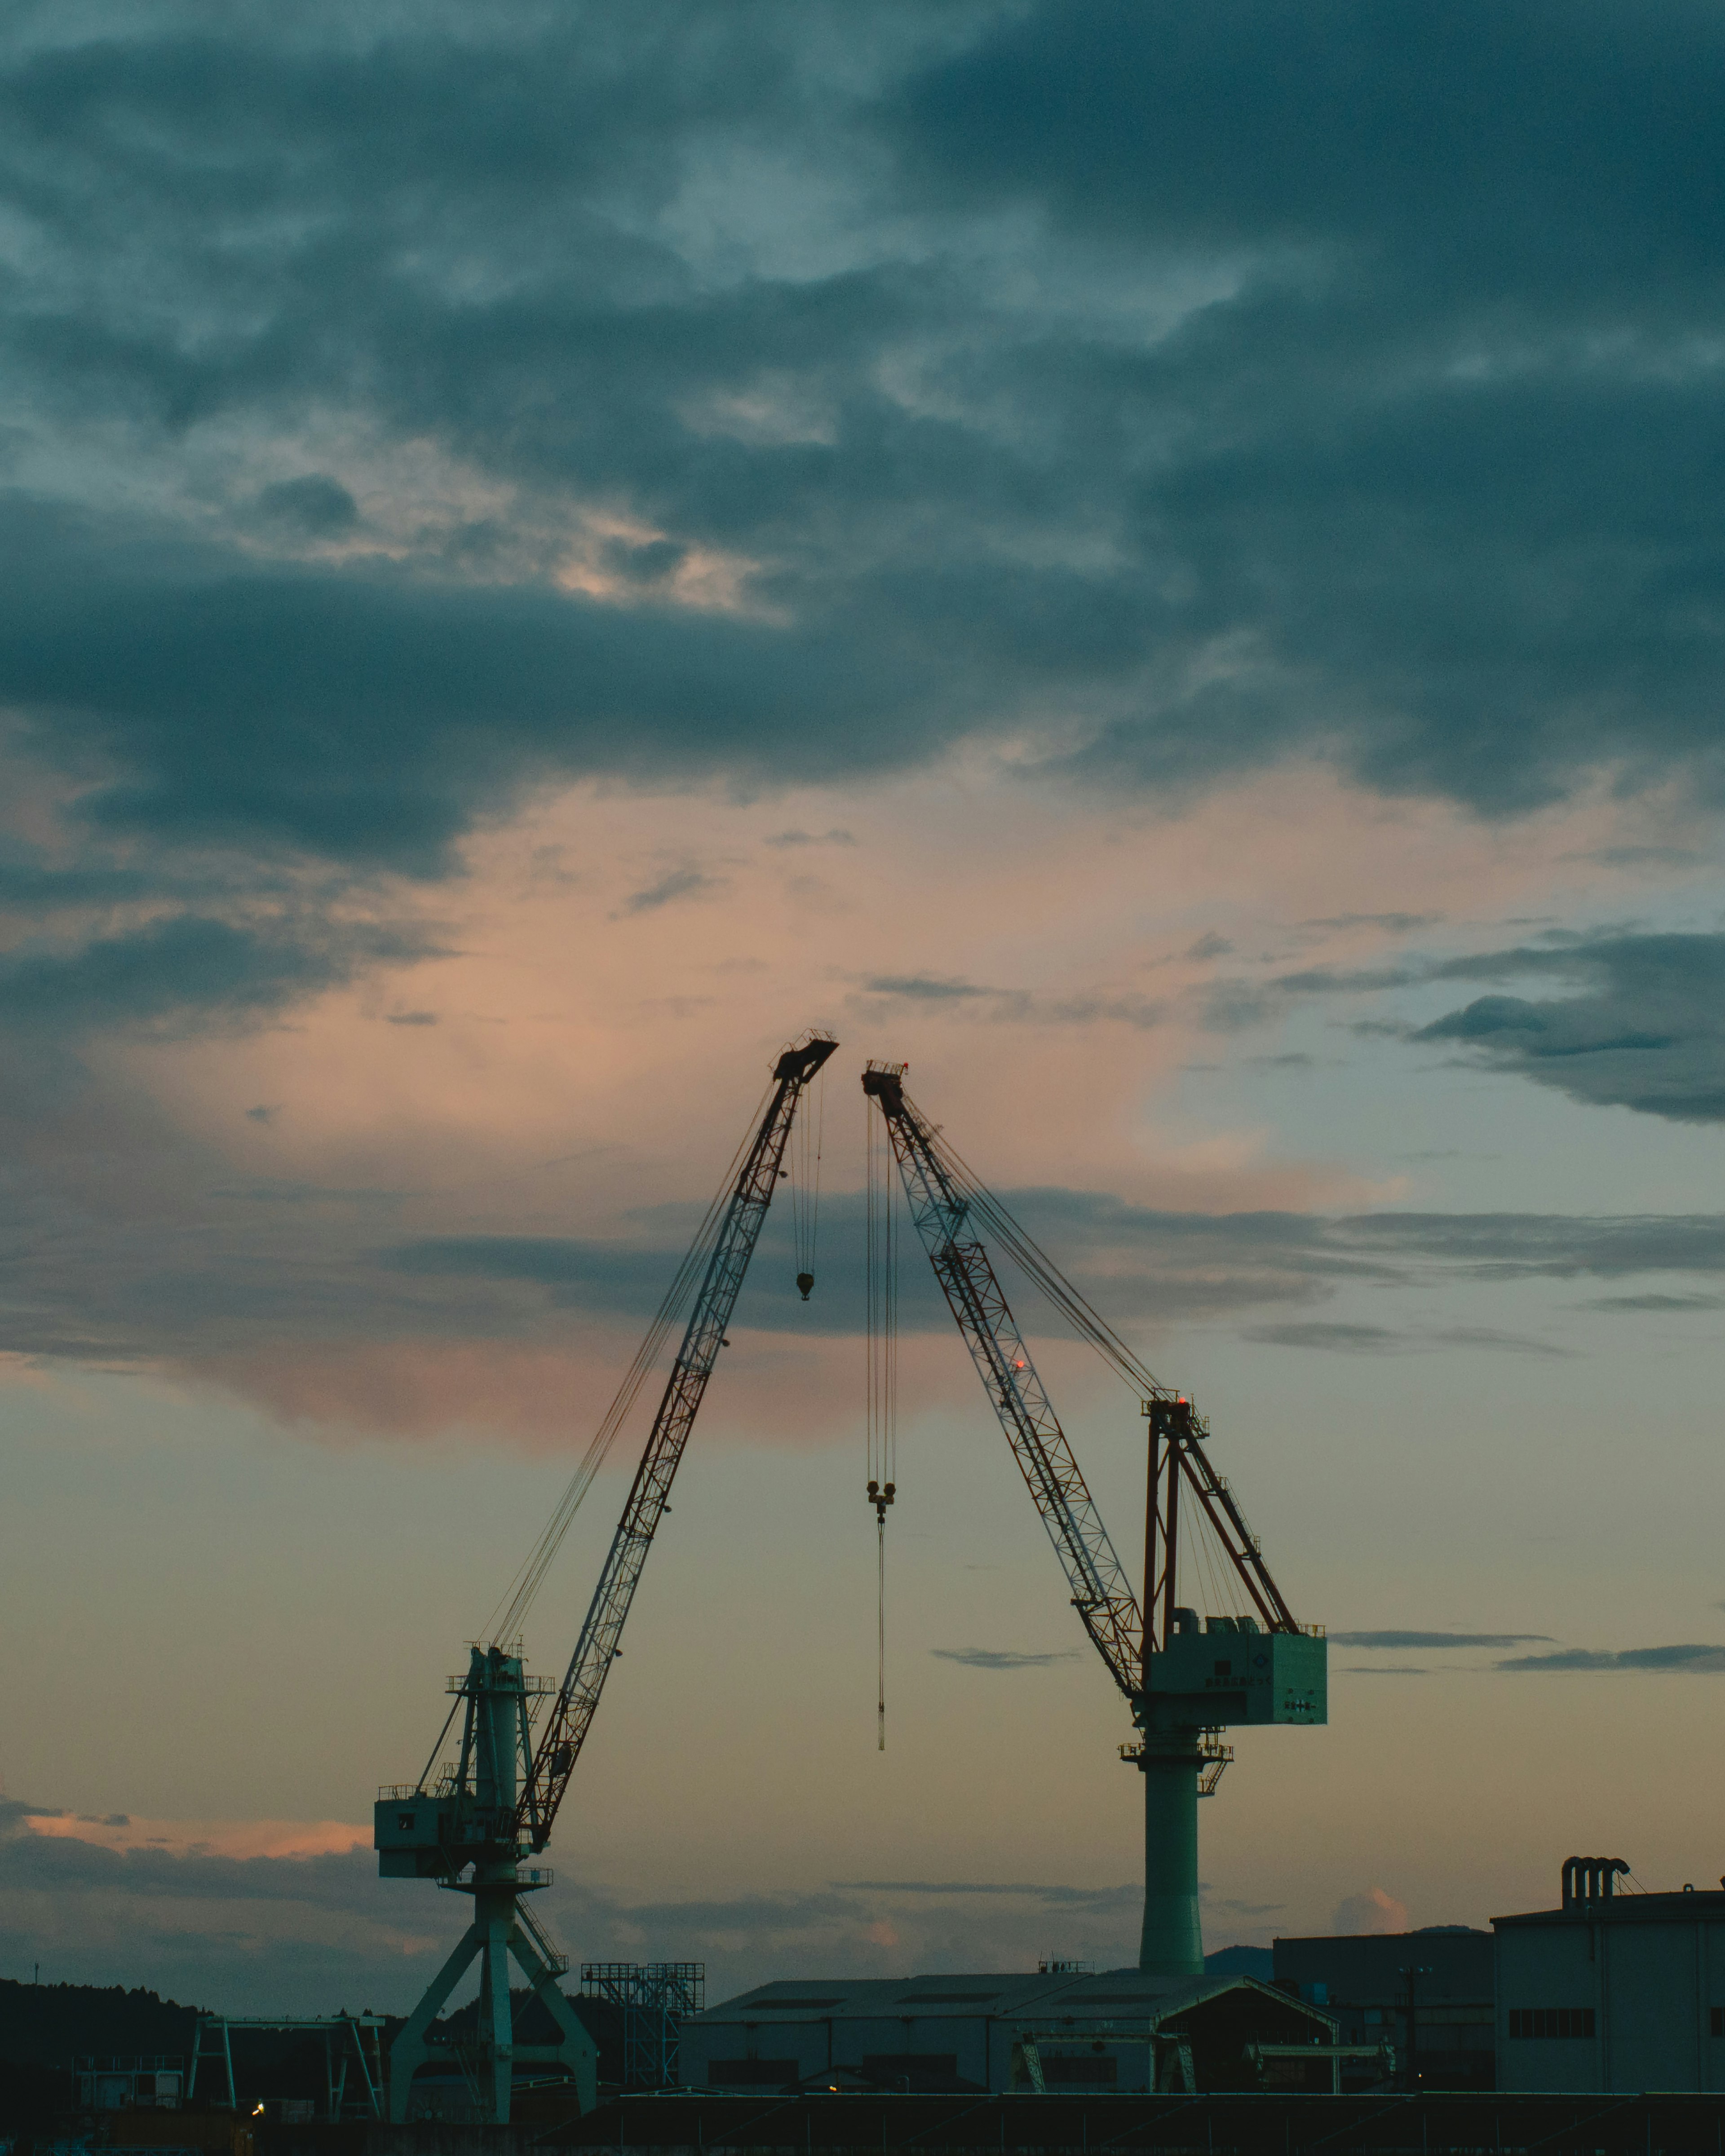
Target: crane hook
(805,1281)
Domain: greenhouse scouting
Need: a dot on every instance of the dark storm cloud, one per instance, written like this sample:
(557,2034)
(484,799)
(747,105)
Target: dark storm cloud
(185,965)
(1440,219)
(316,505)
(1210,384)
(366,716)
(1252,120)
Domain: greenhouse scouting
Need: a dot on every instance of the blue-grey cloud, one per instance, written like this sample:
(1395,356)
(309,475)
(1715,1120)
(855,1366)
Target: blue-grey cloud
(674,884)
(592,1274)
(1644,1027)
(998,1658)
(14,1810)
(1060,1897)
(1392,924)
(925,989)
(960,999)
(1658,1305)
(1636,1022)
(227,1267)
(312,1934)
(1417,1640)
(1700,1660)
(1343,1338)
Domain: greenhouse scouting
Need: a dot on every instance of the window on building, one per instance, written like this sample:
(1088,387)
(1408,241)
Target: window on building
(1567,2022)
(750,2073)
(893,2069)
(1061,2070)
(1716,2020)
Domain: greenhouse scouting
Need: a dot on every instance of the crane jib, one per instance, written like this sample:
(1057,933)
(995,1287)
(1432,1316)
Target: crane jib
(1101,1593)
(946,1200)
(572,1713)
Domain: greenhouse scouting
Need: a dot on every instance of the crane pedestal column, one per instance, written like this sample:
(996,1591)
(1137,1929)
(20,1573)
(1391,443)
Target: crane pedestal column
(500,1928)
(1171,1943)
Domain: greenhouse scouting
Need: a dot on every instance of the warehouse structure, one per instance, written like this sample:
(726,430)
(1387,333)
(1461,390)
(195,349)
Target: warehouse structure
(1612,1991)
(1067,2030)
(1430,1992)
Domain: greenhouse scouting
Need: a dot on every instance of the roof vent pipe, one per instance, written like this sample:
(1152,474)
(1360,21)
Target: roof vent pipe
(1590,1878)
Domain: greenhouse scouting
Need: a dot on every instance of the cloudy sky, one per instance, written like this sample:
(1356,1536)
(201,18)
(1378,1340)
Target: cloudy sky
(1161,564)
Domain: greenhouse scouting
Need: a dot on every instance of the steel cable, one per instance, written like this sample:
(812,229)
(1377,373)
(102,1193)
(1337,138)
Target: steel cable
(1034,1262)
(518,1597)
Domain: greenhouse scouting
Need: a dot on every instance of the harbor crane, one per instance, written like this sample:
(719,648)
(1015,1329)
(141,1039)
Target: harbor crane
(469,1823)
(1186,1681)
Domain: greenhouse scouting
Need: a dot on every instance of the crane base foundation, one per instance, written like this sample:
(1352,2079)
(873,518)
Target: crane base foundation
(488,2060)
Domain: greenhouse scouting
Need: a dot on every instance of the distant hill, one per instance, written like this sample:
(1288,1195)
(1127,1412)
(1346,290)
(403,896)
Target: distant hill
(1241,1961)
(48,2024)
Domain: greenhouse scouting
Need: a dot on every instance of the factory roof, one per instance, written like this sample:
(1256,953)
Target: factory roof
(1108,1995)
(1688,1906)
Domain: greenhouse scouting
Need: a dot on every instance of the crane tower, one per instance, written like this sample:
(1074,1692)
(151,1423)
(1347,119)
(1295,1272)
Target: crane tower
(1186,1679)
(468,1823)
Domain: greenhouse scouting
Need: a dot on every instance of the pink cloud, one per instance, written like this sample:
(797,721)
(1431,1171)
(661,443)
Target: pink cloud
(1374,1910)
(238,1838)
(574,1061)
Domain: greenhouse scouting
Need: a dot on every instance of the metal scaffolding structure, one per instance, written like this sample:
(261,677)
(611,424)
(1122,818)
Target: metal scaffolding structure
(349,2040)
(656,1997)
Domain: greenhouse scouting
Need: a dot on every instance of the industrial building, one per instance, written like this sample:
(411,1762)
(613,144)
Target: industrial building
(1612,1991)
(1058,2030)
(1431,1992)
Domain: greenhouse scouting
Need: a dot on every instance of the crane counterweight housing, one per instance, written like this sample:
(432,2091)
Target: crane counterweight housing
(1230,1678)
